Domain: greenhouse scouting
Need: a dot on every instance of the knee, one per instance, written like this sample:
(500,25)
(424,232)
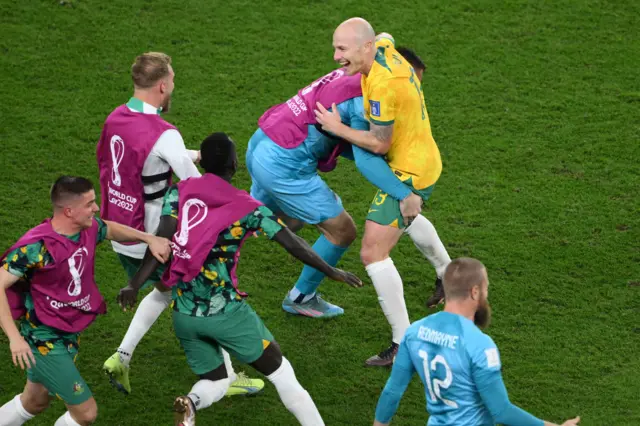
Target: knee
(345,233)
(371,253)
(270,360)
(85,413)
(35,404)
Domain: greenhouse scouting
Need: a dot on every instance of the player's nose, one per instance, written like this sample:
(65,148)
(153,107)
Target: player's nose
(337,55)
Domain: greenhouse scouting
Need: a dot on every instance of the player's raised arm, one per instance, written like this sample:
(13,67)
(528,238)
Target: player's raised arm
(158,246)
(299,248)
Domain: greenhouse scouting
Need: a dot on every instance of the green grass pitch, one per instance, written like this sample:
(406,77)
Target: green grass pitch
(534,106)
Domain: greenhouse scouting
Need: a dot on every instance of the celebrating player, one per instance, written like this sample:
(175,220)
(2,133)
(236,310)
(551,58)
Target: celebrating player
(400,129)
(209,220)
(137,154)
(283,157)
(458,364)
(47,282)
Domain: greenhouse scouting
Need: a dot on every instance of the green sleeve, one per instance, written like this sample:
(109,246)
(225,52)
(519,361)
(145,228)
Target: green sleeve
(102,230)
(170,203)
(19,261)
(263,219)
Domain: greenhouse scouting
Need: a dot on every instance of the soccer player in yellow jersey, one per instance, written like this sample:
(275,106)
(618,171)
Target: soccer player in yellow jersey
(400,130)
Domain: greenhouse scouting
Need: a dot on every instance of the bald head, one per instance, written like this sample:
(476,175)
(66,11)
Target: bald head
(354,43)
(358,29)
(461,276)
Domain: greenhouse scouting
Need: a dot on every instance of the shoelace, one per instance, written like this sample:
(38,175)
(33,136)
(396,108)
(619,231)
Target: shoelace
(388,353)
(242,379)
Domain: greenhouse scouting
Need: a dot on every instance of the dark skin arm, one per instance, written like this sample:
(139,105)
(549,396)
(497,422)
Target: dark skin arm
(295,245)
(299,248)
(129,294)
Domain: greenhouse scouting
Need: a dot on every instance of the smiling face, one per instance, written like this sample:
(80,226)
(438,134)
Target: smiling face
(354,46)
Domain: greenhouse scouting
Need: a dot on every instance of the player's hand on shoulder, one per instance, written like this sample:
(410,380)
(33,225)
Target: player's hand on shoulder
(384,35)
(345,277)
(160,248)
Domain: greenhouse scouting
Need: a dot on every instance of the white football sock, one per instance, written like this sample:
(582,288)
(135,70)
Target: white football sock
(388,285)
(294,396)
(66,420)
(147,313)
(13,413)
(231,374)
(206,392)
(425,237)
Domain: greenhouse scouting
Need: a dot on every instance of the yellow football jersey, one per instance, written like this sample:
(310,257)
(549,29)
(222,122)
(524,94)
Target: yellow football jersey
(393,95)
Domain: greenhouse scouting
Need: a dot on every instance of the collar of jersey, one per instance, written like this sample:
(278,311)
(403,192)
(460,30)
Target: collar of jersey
(137,105)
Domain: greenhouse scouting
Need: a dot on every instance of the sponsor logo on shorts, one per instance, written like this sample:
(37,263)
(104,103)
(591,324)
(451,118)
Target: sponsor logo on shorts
(77,388)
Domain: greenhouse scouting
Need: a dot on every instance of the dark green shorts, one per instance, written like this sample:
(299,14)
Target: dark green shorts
(131,265)
(237,329)
(385,210)
(59,374)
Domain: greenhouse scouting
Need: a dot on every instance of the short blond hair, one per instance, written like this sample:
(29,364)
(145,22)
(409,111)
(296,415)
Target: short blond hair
(461,276)
(149,68)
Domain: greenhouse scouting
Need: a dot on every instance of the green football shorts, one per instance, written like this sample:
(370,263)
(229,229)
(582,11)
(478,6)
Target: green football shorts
(385,210)
(236,328)
(58,373)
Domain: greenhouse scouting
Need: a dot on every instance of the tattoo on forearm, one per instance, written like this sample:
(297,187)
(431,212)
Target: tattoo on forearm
(382,133)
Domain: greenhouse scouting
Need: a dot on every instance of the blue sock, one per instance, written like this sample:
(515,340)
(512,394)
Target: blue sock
(310,278)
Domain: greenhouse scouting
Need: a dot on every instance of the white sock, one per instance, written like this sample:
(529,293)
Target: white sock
(66,420)
(388,285)
(425,237)
(206,392)
(294,396)
(294,293)
(231,374)
(13,413)
(147,313)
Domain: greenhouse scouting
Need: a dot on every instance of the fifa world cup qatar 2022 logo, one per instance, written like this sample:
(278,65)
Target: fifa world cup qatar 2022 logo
(117,154)
(77,262)
(194,213)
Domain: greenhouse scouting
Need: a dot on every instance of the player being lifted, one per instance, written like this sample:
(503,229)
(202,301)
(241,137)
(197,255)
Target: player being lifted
(458,364)
(209,220)
(283,158)
(400,129)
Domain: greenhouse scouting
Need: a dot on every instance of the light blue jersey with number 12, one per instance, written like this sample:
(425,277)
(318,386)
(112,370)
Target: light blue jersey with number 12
(453,358)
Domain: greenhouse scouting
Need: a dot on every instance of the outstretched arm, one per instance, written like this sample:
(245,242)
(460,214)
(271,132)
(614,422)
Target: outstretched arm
(400,377)
(299,248)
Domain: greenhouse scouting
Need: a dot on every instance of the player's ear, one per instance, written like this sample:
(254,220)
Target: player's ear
(475,292)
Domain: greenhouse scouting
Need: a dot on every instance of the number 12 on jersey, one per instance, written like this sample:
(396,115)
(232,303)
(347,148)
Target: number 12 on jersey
(437,384)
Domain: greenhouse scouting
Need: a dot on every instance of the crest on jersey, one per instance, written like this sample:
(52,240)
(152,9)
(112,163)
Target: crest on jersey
(375,108)
(493,359)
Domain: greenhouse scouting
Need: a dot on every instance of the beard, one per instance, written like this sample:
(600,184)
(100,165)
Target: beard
(482,317)
(166,105)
